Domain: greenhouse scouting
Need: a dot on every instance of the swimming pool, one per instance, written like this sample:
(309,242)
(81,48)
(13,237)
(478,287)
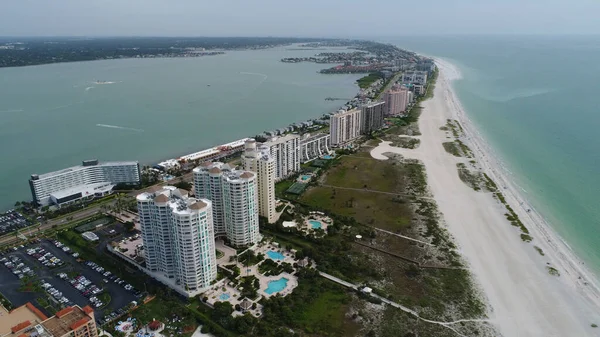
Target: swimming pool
(273,255)
(327,157)
(276,286)
(305,177)
(224,297)
(315,224)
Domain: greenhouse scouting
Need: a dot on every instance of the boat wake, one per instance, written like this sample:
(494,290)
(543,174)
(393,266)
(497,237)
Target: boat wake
(14,110)
(119,127)
(89,88)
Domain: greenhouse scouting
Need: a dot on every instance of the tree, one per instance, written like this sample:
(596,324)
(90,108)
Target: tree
(129,226)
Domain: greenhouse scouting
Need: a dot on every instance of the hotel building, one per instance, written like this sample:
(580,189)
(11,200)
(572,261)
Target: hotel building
(90,179)
(314,146)
(259,160)
(178,238)
(371,117)
(286,153)
(414,77)
(344,126)
(29,321)
(237,208)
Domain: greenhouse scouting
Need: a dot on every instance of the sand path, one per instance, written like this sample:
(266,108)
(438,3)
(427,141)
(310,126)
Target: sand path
(525,300)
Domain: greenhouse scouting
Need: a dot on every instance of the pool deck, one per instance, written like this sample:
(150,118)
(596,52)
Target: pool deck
(291,284)
(323,219)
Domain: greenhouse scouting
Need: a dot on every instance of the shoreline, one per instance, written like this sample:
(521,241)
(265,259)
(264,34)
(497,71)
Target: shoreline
(574,274)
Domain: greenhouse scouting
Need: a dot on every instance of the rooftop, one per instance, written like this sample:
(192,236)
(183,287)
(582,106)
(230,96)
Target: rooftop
(12,323)
(80,167)
(282,139)
(66,320)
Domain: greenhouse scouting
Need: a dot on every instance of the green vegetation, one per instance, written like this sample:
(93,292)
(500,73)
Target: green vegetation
(553,271)
(539,250)
(452,148)
(5,302)
(282,186)
(271,268)
(366,81)
(249,258)
(594,325)
(431,84)
(526,237)
(184,185)
(474,179)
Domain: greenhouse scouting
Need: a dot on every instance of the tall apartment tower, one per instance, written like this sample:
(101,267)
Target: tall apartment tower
(344,126)
(371,117)
(286,152)
(235,200)
(178,237)
(259,160)
(396,101)
(208,184)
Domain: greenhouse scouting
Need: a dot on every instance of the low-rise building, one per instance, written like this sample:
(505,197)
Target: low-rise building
(414,77)
(314,146)
(88,180)
(29,321)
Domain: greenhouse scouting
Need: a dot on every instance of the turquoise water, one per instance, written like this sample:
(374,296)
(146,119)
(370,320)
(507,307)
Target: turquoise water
(276,286)
(536,101)
(273,255)
(315,224)
(305,177)
(327,157)
(55,116)
(224,296)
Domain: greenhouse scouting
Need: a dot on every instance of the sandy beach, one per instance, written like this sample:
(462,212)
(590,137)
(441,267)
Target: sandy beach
(524,299)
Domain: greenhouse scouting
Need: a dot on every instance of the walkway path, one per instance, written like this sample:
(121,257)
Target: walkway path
(403,308)
(402,236)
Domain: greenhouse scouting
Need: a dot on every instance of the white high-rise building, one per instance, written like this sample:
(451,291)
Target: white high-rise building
(344,126)
(208,184)
(259,160)
(286,152)
(178,237)
(90,179)
(235,201)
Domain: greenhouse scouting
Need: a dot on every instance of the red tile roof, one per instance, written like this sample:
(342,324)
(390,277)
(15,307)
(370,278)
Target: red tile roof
(79,323)
(36,311)
(87,309)
(64,312)
(20,326)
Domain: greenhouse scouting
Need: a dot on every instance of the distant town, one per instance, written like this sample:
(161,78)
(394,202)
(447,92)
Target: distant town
(218,236)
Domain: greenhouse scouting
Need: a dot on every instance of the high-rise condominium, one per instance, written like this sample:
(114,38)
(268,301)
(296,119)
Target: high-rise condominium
(286,152)
(344,126)
(260,161)
(178,237)
(235,200)
(371,117)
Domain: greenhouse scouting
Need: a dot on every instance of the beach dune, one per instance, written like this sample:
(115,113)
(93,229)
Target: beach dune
(524,299)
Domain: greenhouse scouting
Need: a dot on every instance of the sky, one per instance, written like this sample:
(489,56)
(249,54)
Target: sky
(306,18)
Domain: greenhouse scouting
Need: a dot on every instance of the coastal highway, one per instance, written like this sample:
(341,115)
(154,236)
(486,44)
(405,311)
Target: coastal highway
(389,85)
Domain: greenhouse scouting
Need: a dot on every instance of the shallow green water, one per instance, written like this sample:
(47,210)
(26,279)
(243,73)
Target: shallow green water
(536,100)
(163,108)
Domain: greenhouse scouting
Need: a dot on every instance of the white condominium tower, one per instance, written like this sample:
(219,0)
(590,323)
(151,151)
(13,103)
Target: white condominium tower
(286,152)
(259,160)
(344,126)
(314,146)
(208,184)
(178,237)
(235,200)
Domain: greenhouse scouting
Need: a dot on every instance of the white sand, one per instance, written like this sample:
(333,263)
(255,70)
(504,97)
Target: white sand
(525,300)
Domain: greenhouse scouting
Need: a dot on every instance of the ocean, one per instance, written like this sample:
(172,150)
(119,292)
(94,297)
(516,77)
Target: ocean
(535,100)
(54,116)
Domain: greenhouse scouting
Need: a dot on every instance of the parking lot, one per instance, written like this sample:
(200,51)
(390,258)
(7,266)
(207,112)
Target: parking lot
(66,280)
(12,220)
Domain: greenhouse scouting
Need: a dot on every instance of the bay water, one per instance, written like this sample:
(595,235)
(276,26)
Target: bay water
(535,99)
(54,116)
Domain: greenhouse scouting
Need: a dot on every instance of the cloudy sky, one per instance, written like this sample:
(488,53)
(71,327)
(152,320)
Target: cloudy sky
(339,18)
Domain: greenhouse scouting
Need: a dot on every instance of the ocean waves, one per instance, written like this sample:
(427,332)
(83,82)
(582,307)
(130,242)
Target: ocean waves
(119,127)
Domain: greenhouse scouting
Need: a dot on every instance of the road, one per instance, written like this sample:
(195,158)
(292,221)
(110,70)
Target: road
(389,85)
(76,216)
